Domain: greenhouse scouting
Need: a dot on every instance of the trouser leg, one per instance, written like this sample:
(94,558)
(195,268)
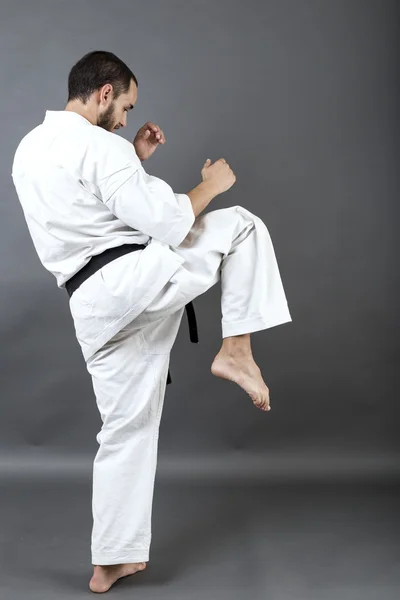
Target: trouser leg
(235,246)
(253,296)
(129,385)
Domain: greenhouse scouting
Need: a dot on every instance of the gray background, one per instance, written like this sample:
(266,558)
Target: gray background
(301,98)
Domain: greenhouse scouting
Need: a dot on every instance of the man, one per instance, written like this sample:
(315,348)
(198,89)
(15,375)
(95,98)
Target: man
(132,254)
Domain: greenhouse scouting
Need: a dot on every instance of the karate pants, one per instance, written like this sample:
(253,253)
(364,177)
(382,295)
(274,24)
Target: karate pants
(129,372)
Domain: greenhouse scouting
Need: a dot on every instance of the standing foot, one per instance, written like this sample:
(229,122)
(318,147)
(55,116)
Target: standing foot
(241,369)
(105,576)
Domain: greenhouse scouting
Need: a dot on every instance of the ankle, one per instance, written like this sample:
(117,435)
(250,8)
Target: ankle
(236,346)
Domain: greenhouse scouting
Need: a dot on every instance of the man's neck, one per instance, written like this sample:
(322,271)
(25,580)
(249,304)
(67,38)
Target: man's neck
(83,110)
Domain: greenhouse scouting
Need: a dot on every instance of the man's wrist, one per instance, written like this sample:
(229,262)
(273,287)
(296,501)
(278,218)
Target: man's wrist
(209,188)
(201,196)
(137,154)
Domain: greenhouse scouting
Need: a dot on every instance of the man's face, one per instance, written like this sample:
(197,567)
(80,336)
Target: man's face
(115,115)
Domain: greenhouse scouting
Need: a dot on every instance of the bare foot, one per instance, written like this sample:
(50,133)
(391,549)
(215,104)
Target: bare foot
(242,369)
(105,575)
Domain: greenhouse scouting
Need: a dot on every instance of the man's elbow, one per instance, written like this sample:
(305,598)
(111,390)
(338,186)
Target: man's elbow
(179,231)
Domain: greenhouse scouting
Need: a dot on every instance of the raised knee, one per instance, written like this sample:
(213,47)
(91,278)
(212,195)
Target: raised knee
(244,212)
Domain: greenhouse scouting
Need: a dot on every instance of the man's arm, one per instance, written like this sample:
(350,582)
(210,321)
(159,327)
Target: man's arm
(144,202)
(201,196)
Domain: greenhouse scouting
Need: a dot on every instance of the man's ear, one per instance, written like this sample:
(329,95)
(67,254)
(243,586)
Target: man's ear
(104,93)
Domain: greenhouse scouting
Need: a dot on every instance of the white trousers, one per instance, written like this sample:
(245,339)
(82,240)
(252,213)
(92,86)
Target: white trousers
(129,372)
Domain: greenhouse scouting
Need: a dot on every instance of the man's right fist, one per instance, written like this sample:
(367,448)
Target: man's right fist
(218,175)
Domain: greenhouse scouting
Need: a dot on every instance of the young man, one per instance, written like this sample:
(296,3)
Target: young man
(132,254)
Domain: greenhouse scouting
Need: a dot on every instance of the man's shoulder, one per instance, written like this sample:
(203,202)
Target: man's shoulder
(107,139)
(110,144)
(29,137)
(75,144)
(26,147)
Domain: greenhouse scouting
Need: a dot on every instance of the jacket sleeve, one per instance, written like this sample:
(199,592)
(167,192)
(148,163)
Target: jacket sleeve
(144,202)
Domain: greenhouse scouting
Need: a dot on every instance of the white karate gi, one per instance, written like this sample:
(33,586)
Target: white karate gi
(82,190)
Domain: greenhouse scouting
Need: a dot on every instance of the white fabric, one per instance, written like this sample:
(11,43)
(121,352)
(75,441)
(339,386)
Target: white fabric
(129,372)
(83,190)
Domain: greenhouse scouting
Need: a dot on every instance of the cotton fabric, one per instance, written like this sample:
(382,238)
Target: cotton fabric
(129,372)
(83,190)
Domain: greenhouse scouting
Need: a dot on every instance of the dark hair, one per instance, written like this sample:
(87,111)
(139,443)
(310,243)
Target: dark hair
(94,70)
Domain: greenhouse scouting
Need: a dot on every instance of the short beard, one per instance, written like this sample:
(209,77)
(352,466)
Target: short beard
(107,120)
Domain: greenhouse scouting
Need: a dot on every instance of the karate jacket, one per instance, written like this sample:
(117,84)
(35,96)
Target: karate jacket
(82,190)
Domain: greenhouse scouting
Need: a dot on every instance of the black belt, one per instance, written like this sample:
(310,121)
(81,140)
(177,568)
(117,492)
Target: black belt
(99,260)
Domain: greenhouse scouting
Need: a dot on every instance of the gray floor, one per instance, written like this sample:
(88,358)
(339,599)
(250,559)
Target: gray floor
(277,542)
